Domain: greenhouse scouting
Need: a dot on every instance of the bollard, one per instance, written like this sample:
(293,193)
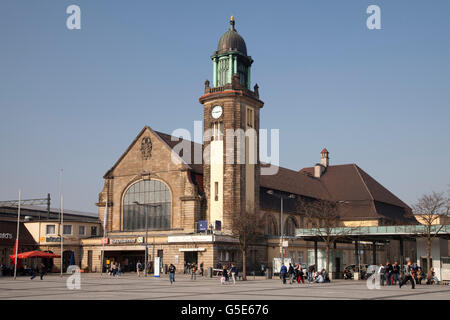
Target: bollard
(210,272)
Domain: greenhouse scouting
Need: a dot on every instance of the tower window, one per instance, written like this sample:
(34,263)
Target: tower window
(250,118)
(216,191)
(223,71)
(217,130)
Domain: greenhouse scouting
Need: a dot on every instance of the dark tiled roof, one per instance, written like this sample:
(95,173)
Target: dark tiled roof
(295,182)
(362,197)
(365,197)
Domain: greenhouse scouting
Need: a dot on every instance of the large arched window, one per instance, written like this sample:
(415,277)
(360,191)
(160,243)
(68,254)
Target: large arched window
(156,199)
(289,227)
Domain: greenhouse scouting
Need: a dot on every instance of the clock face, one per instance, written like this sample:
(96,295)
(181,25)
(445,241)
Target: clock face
(216,112)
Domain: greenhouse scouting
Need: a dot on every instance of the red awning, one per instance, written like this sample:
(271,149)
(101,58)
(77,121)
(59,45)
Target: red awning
(34,254)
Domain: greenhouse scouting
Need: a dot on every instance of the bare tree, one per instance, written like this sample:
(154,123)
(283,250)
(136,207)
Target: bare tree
(247,227)
(324,218)
(432,211)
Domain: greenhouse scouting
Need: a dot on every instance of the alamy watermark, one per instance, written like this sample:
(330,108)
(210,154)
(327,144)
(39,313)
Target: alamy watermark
(241,147)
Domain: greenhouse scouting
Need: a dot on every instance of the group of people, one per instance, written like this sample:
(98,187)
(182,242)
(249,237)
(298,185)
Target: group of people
(192,269)
(392,274)
(114,269)
(229,273)
(296,273)
(41,269)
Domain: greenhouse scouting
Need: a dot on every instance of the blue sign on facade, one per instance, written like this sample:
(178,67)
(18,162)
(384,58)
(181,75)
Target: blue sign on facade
(202,225)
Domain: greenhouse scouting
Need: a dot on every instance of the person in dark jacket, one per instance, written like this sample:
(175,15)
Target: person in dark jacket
(172,270)
(283,273)
(408,276)
(388,273)
(396,272)
(291,273)
(42,270)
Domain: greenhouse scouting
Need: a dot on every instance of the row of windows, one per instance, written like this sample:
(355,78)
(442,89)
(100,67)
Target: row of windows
(68,230)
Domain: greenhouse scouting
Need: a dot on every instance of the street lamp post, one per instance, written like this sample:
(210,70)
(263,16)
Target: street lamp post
(281,197)
(146,231)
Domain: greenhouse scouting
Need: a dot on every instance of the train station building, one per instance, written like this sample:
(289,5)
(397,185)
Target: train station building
(158,195)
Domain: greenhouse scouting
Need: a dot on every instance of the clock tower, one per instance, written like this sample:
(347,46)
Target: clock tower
(231,142)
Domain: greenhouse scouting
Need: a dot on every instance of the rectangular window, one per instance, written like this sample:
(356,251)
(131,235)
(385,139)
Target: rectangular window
(216,191)
(93,231)
(50,229)
(299,257)
(67,229)
(81,230)
(250,118)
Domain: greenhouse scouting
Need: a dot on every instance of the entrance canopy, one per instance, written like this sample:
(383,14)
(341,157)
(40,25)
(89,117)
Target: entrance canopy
(34,254)
(374,233)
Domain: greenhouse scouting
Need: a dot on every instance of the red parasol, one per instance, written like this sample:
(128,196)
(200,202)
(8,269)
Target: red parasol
(34,254)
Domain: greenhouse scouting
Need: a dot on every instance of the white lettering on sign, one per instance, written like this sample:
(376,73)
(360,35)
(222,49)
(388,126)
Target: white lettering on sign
(5,236)
(121,241)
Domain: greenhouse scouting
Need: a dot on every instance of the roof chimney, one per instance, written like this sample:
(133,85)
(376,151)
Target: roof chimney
(324,160)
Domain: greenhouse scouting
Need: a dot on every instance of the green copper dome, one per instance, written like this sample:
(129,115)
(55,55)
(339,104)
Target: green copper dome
(231,41)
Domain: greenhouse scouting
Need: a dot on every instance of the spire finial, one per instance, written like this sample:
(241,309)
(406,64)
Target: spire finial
(232,23)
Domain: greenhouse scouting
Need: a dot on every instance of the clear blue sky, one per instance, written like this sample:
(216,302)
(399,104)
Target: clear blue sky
(75,99)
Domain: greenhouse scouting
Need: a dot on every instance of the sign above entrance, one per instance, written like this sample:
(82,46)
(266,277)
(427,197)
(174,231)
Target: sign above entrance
(191,249)
(123,241)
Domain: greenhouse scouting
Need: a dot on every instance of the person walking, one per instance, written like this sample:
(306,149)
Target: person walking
(283,273)
(408,276)
(201,269)
(233,273)
(193,271)
(42,270)
(172,270)
(291,273)
(138,268)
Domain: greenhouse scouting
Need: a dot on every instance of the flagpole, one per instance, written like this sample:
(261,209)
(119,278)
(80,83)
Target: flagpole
(62,233)
(61,220)
(17,236)
(104,235)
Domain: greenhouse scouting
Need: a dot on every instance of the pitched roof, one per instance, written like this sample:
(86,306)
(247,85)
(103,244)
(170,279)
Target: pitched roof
(295,182)
(368,198)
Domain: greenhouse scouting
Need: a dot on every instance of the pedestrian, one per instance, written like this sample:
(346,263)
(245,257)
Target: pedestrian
(139,268)
(291,273)
(420,275)
(432,279)
(388,272)
(42,270)
(408,276)
(381,274)
(172,270)
(396,273)
(224,279)
(233,273)
(283,273)
(193,271)
(30,271)
(202,270)
(300,274)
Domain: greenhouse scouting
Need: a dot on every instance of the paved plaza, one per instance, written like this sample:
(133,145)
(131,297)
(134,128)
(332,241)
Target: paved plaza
(129,286)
